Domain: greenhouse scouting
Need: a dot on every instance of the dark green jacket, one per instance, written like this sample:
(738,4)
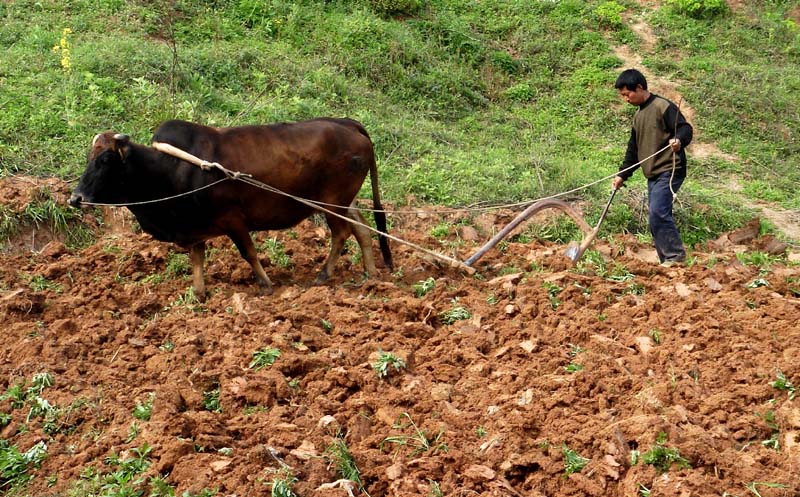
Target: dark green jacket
(656,122)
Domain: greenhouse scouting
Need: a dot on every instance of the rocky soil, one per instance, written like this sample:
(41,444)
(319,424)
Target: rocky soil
(617,360)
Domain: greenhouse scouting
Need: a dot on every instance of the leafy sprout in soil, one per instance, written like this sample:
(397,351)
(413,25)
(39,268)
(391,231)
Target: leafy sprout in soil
(14,465)
(552,293)
(655,335)
(753,486)
(282,483)
(385,361)
(435,489)
(144,410)
(264,357)
(423,287)
(339,455)
(211,400)
(277,253)
(418,440)
(456,313)
(662,457)
(784,385)
(573,462)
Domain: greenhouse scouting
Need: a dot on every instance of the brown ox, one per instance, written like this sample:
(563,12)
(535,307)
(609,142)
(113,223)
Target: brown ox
(323,160)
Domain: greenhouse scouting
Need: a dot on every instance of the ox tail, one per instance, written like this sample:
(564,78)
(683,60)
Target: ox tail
(380,216)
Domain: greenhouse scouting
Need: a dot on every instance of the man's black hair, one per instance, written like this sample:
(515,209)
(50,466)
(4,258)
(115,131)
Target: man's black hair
(629,78)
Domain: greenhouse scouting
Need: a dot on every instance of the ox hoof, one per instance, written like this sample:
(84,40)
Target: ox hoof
(265,290)
(322,278)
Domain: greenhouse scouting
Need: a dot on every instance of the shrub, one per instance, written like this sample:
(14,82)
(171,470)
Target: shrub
(609,14)
(699,9)
(397,6)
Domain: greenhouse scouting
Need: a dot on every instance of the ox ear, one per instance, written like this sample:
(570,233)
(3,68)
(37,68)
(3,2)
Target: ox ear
(122,145)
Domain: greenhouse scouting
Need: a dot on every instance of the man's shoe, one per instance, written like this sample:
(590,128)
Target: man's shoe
(671,263)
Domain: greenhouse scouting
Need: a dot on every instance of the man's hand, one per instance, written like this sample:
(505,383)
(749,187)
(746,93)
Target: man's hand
(675,144)
(617,182)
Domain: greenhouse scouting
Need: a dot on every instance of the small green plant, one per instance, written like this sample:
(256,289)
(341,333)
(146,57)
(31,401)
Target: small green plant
(757,283)
(188,300)
(39,283)
(456,313)
(282,483)
(573,462)
(573,367)
(644,491)
(761,260)
(635,289)
(619,273)
(422,288)
(339,455)
(167,346)
(753,486)
(326,325)
(385,361)
(655,335)
(784,385)
(178,265)
(552,293)
(133,431)
(144,410)
(574,350)
(160,488)
(277,253)
(662,457)
(440,231)
(418,441)
(264,357)
(480,431)
(15,465)
(211,400)
(435,489)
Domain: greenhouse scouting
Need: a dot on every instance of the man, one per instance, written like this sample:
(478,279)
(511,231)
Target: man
(658,124)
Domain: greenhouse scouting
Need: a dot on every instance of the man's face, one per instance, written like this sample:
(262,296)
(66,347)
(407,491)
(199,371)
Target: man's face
(636,97)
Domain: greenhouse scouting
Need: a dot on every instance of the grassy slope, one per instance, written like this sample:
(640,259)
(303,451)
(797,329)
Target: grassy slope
(466,101)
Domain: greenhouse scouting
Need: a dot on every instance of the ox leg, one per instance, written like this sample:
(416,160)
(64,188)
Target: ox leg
(197,254)
(364,241)
(340,231)
(248,251)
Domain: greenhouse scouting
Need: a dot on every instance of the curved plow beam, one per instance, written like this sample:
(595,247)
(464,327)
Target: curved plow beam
(588,232)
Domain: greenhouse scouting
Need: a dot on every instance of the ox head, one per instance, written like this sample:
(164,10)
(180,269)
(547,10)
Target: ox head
(105,170)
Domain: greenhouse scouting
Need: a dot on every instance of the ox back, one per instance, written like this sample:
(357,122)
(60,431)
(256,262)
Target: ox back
(324,160)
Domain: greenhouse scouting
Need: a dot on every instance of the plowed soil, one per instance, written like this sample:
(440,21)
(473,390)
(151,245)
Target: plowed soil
(599,359)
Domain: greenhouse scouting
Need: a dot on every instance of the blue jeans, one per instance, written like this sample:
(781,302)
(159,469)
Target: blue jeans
(669,245)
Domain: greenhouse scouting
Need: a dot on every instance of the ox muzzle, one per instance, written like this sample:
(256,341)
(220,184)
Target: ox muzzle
(75,200)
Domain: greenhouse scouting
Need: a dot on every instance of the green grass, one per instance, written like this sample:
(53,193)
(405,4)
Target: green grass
(479,101)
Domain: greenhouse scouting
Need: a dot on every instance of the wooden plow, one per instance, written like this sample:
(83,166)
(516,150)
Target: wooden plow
(574,250)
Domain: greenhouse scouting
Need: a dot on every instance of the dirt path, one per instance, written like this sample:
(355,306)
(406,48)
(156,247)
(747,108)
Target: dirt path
(503,373)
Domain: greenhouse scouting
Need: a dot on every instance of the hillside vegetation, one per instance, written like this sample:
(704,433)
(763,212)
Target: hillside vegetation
(467,102)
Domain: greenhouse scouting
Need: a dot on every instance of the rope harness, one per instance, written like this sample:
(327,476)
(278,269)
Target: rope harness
(324,207)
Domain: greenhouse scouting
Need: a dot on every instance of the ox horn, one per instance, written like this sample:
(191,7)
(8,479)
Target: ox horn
(122,141)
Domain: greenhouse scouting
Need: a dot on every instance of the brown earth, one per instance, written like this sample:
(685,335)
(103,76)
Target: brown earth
(687,351)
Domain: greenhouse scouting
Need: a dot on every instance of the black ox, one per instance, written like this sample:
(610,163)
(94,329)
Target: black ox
(323,160)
